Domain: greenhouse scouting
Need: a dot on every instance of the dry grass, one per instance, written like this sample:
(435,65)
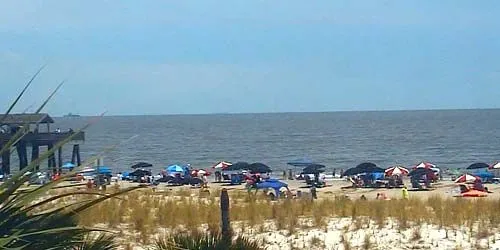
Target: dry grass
(186,211)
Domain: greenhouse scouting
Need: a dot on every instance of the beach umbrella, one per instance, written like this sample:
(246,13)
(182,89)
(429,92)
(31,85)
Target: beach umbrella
(222,165)
(303,162)
(140,173)
(420,171)
(313,169)
(175,168)
(142,165)
(200,172)
(396,170)
(238,166)
(467,178)
(271,183)
(259,168)
(495,166)
(478,165)
(366,167)
(68,165)
(424,165)
(103,170)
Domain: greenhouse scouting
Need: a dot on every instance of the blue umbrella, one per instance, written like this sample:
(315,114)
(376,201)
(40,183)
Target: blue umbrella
(104,170)
(175,168)
(304,162)
(68,165)
(271,183)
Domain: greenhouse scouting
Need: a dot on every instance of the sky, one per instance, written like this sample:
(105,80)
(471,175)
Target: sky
(233,56)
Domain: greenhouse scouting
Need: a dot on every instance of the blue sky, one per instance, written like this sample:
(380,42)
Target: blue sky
(171,57)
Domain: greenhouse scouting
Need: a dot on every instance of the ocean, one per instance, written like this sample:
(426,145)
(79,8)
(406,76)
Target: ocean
(340,140)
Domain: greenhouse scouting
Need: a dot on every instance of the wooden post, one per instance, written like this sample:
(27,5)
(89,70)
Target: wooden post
(52,160)
(224,207)
(35,152)
(59,160)
(6,162)
(75,156)
(22,155)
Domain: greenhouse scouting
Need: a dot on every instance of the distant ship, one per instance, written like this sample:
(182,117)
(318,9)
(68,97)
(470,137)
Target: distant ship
(71,115)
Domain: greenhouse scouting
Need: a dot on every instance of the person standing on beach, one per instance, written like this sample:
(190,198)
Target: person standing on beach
(406,196)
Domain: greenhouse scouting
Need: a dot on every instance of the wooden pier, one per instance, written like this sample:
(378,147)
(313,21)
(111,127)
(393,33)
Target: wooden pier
(35,139)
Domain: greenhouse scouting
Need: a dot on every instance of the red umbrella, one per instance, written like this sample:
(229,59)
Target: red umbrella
(467,178)
(222,165)
(396,170)
(425,165)
(495,166)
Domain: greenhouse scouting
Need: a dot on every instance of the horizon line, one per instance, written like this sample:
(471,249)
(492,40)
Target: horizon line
(290,112)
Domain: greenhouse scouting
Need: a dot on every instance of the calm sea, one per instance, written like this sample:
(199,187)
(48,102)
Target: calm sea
(450,139)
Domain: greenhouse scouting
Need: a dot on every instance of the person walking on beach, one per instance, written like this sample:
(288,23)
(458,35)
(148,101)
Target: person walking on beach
(406,196)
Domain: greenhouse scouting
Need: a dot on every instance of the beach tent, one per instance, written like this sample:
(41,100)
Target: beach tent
(478,165)
(68,165)
(467,178)
(396,170)
(222,165)
(366,167)
(484,175)
(271,183)
(303,162)
(142,165)
(258,167)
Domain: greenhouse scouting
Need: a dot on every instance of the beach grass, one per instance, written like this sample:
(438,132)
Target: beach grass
(183,211)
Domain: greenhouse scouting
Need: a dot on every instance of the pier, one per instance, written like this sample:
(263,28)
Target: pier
(39,135)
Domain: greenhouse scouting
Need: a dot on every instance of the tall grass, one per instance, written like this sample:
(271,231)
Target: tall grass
(181,211)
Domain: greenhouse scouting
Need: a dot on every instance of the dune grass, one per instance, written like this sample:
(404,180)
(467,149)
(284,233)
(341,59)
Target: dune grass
(186,211)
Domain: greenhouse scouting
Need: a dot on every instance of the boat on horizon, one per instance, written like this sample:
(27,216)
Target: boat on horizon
(71,115)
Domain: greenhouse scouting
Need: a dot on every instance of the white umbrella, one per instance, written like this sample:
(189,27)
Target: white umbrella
(222,165)
(495,166)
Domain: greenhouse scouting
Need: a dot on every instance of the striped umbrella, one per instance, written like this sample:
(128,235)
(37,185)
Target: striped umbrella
(396,170)
(495,166)
(222,165)
(467,178)
(425,165)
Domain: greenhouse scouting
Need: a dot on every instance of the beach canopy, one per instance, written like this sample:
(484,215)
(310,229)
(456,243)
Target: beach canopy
(222,165)
(175,168)
(259,168)
(303,162)
(396,170)
(68,165)
(366,167)
(467,178)
(313,169)
(142,165)
(425,165)
(495,166)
